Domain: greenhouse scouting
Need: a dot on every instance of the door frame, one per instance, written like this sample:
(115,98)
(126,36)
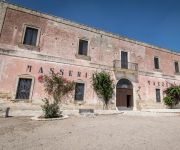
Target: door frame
(133,106)
(25,76)
(128,53)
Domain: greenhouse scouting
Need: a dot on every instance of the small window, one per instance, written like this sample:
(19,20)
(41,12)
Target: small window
(156,62)
(30,36)
(83,47)
(79,91)
(176,65)
(158,95)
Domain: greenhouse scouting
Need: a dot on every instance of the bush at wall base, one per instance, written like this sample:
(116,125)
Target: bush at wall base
(168,100)
(51,110)
(173,95)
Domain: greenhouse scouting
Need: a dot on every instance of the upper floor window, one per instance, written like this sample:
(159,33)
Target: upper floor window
(156,62)
(176,65)
(30,36)
(83,47)
(124,60)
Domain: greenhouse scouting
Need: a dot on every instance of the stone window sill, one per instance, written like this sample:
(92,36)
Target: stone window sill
(177,73)
(79,102)
(29,47)
(21,100)
(157,70)
(83,57)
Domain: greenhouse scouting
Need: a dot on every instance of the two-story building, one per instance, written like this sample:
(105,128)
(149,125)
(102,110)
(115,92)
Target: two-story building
(34,43)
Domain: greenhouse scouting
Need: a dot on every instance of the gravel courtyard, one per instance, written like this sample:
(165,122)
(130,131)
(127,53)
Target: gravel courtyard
(110,132)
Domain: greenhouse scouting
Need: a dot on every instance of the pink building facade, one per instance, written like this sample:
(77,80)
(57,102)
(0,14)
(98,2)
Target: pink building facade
(33,43)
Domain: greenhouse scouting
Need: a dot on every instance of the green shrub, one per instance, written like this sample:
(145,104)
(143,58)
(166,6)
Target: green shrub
(51,110)
(169,101)
(173,96)
(174,92)
(103,86)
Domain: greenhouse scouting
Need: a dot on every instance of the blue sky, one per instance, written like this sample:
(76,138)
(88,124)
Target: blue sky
(156,22)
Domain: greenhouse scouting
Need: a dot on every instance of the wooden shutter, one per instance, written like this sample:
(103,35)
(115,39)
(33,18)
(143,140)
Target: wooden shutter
(158,95)
(124,60)
(156,63)
(83,47)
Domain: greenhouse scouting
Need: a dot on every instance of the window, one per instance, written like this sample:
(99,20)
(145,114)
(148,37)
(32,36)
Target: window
(30,36)
(124,60)
(176,65)
(156,62)
(79,91)
(158,95)
(83,47)
(24,88)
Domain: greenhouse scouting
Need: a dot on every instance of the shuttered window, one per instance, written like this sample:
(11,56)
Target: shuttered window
(158,95)
(156,62)
(83,47)
(124,60)
(79,91)
(24,88)
(176,65)
(30,37)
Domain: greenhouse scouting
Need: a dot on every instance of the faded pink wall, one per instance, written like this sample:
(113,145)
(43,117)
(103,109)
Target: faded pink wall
(61,40)
(12,67)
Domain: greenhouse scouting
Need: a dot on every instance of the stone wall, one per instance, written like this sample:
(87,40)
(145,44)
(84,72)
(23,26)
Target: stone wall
(2,14)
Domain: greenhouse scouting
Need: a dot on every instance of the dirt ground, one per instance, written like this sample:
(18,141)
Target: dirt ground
(110,132)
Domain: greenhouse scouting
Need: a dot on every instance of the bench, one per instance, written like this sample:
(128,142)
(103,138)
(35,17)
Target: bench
(84,111)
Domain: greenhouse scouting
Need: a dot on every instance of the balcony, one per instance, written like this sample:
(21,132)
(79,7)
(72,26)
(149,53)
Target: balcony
(125,66)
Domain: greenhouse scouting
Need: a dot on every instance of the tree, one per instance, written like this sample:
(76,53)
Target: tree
(172,95)
(103,86)
(57,87)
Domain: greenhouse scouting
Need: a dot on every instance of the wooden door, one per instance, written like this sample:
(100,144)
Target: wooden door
(124,97)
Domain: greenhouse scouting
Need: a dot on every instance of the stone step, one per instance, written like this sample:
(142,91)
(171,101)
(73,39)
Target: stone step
(148,105)
(19,108)
(25,113)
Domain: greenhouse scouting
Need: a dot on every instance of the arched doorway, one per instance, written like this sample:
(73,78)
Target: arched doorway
(124,93)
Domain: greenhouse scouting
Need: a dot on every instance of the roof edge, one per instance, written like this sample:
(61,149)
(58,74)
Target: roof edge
(85,27)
